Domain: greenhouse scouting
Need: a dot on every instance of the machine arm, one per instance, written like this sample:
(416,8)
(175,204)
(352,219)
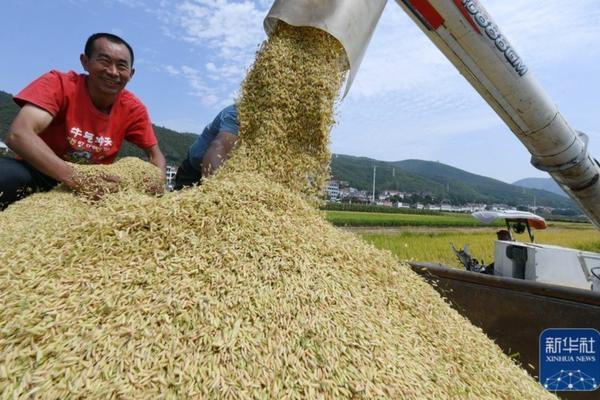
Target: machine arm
(469,38)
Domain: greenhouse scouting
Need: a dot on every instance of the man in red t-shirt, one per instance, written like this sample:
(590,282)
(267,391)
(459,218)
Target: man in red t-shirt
(81,118)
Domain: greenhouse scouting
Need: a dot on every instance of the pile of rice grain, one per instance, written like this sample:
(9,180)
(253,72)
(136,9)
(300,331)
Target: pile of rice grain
(128,173)
(235,289)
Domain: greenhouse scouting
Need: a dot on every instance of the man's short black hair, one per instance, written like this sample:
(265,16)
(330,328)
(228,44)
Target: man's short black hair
(89,44)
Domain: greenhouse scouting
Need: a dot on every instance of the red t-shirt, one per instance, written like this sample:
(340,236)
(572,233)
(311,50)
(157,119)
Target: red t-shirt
(79,132)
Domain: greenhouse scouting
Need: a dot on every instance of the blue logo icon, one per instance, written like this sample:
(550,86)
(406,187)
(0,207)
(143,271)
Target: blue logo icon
(570,359)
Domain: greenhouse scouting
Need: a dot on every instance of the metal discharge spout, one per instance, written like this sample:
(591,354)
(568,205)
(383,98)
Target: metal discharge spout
(352,22)
(469,38)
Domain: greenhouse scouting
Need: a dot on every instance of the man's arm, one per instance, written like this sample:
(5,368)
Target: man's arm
(23,138)
(217,152)
(156,157)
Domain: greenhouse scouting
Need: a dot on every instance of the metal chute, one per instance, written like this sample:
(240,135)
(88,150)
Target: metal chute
(352,22)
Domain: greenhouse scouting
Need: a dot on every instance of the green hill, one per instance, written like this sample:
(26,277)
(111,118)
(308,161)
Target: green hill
(358,172)
(8,110)
(173,144)
(440,180)
(462,183)
(541,183)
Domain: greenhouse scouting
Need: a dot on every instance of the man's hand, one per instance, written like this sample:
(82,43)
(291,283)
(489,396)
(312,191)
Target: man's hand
(93,187)
(218,151)
(156,157)
(155,188)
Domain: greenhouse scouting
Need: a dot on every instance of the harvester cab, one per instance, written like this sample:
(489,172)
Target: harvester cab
(529,260)
(516,221)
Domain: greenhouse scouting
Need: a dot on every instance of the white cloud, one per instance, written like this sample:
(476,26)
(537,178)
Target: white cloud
(402,64)
(230,27)
(132,3)
(401,59)
(208,94)
(200,89)
(228,72)
(548,30)
(171,70)
(202,83)
(226,33)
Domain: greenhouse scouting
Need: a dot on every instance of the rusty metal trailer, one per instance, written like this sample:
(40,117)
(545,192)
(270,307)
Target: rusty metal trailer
(514,312)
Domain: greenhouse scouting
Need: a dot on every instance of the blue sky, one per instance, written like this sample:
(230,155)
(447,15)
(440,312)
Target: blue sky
(406,102)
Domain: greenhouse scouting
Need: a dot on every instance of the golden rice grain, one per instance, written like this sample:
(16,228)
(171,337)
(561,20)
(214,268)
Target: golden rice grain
(128,173)
(238,288)
(286,109)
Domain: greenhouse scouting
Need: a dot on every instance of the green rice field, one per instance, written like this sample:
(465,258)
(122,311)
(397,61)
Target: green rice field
(427,238)
(355,218)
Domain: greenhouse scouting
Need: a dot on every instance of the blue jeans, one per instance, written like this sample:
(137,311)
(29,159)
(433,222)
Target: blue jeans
(18,179)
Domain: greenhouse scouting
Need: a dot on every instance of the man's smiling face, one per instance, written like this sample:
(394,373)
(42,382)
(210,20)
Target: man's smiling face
(109,67)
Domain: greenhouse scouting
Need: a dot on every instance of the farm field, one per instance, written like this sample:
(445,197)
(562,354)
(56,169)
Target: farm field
(356,218)
(428,237)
